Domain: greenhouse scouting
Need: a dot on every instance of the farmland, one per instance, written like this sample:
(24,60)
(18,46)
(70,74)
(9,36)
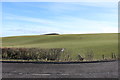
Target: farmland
(74,44)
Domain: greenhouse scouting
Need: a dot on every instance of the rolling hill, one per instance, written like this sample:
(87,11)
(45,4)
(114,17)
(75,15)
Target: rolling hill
(99,44)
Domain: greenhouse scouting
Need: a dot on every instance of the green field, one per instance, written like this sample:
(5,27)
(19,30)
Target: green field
(74,44)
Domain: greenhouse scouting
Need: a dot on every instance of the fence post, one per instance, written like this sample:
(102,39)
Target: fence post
(103,56)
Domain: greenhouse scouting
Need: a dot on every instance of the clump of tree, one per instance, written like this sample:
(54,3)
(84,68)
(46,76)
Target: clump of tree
(52,34)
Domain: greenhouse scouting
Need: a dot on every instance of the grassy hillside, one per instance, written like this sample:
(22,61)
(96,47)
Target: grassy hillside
(75,44)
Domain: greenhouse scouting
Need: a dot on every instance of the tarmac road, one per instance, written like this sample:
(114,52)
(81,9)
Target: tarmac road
(81,70)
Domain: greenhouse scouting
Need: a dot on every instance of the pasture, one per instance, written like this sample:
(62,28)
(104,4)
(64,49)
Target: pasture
(98,45)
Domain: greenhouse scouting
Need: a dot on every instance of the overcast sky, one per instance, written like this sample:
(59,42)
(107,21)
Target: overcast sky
(35,18)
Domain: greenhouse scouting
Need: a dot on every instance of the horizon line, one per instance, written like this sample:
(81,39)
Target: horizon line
(57,33)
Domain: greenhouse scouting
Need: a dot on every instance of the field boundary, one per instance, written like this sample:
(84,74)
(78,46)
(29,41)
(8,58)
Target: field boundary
(71,62)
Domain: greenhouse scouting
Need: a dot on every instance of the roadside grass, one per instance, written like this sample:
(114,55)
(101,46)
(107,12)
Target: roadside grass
(98,45)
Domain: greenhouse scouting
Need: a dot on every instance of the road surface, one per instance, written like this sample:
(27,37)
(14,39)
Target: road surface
(81,70)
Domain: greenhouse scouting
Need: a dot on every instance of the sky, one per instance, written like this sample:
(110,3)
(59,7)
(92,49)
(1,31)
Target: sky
(36,18)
